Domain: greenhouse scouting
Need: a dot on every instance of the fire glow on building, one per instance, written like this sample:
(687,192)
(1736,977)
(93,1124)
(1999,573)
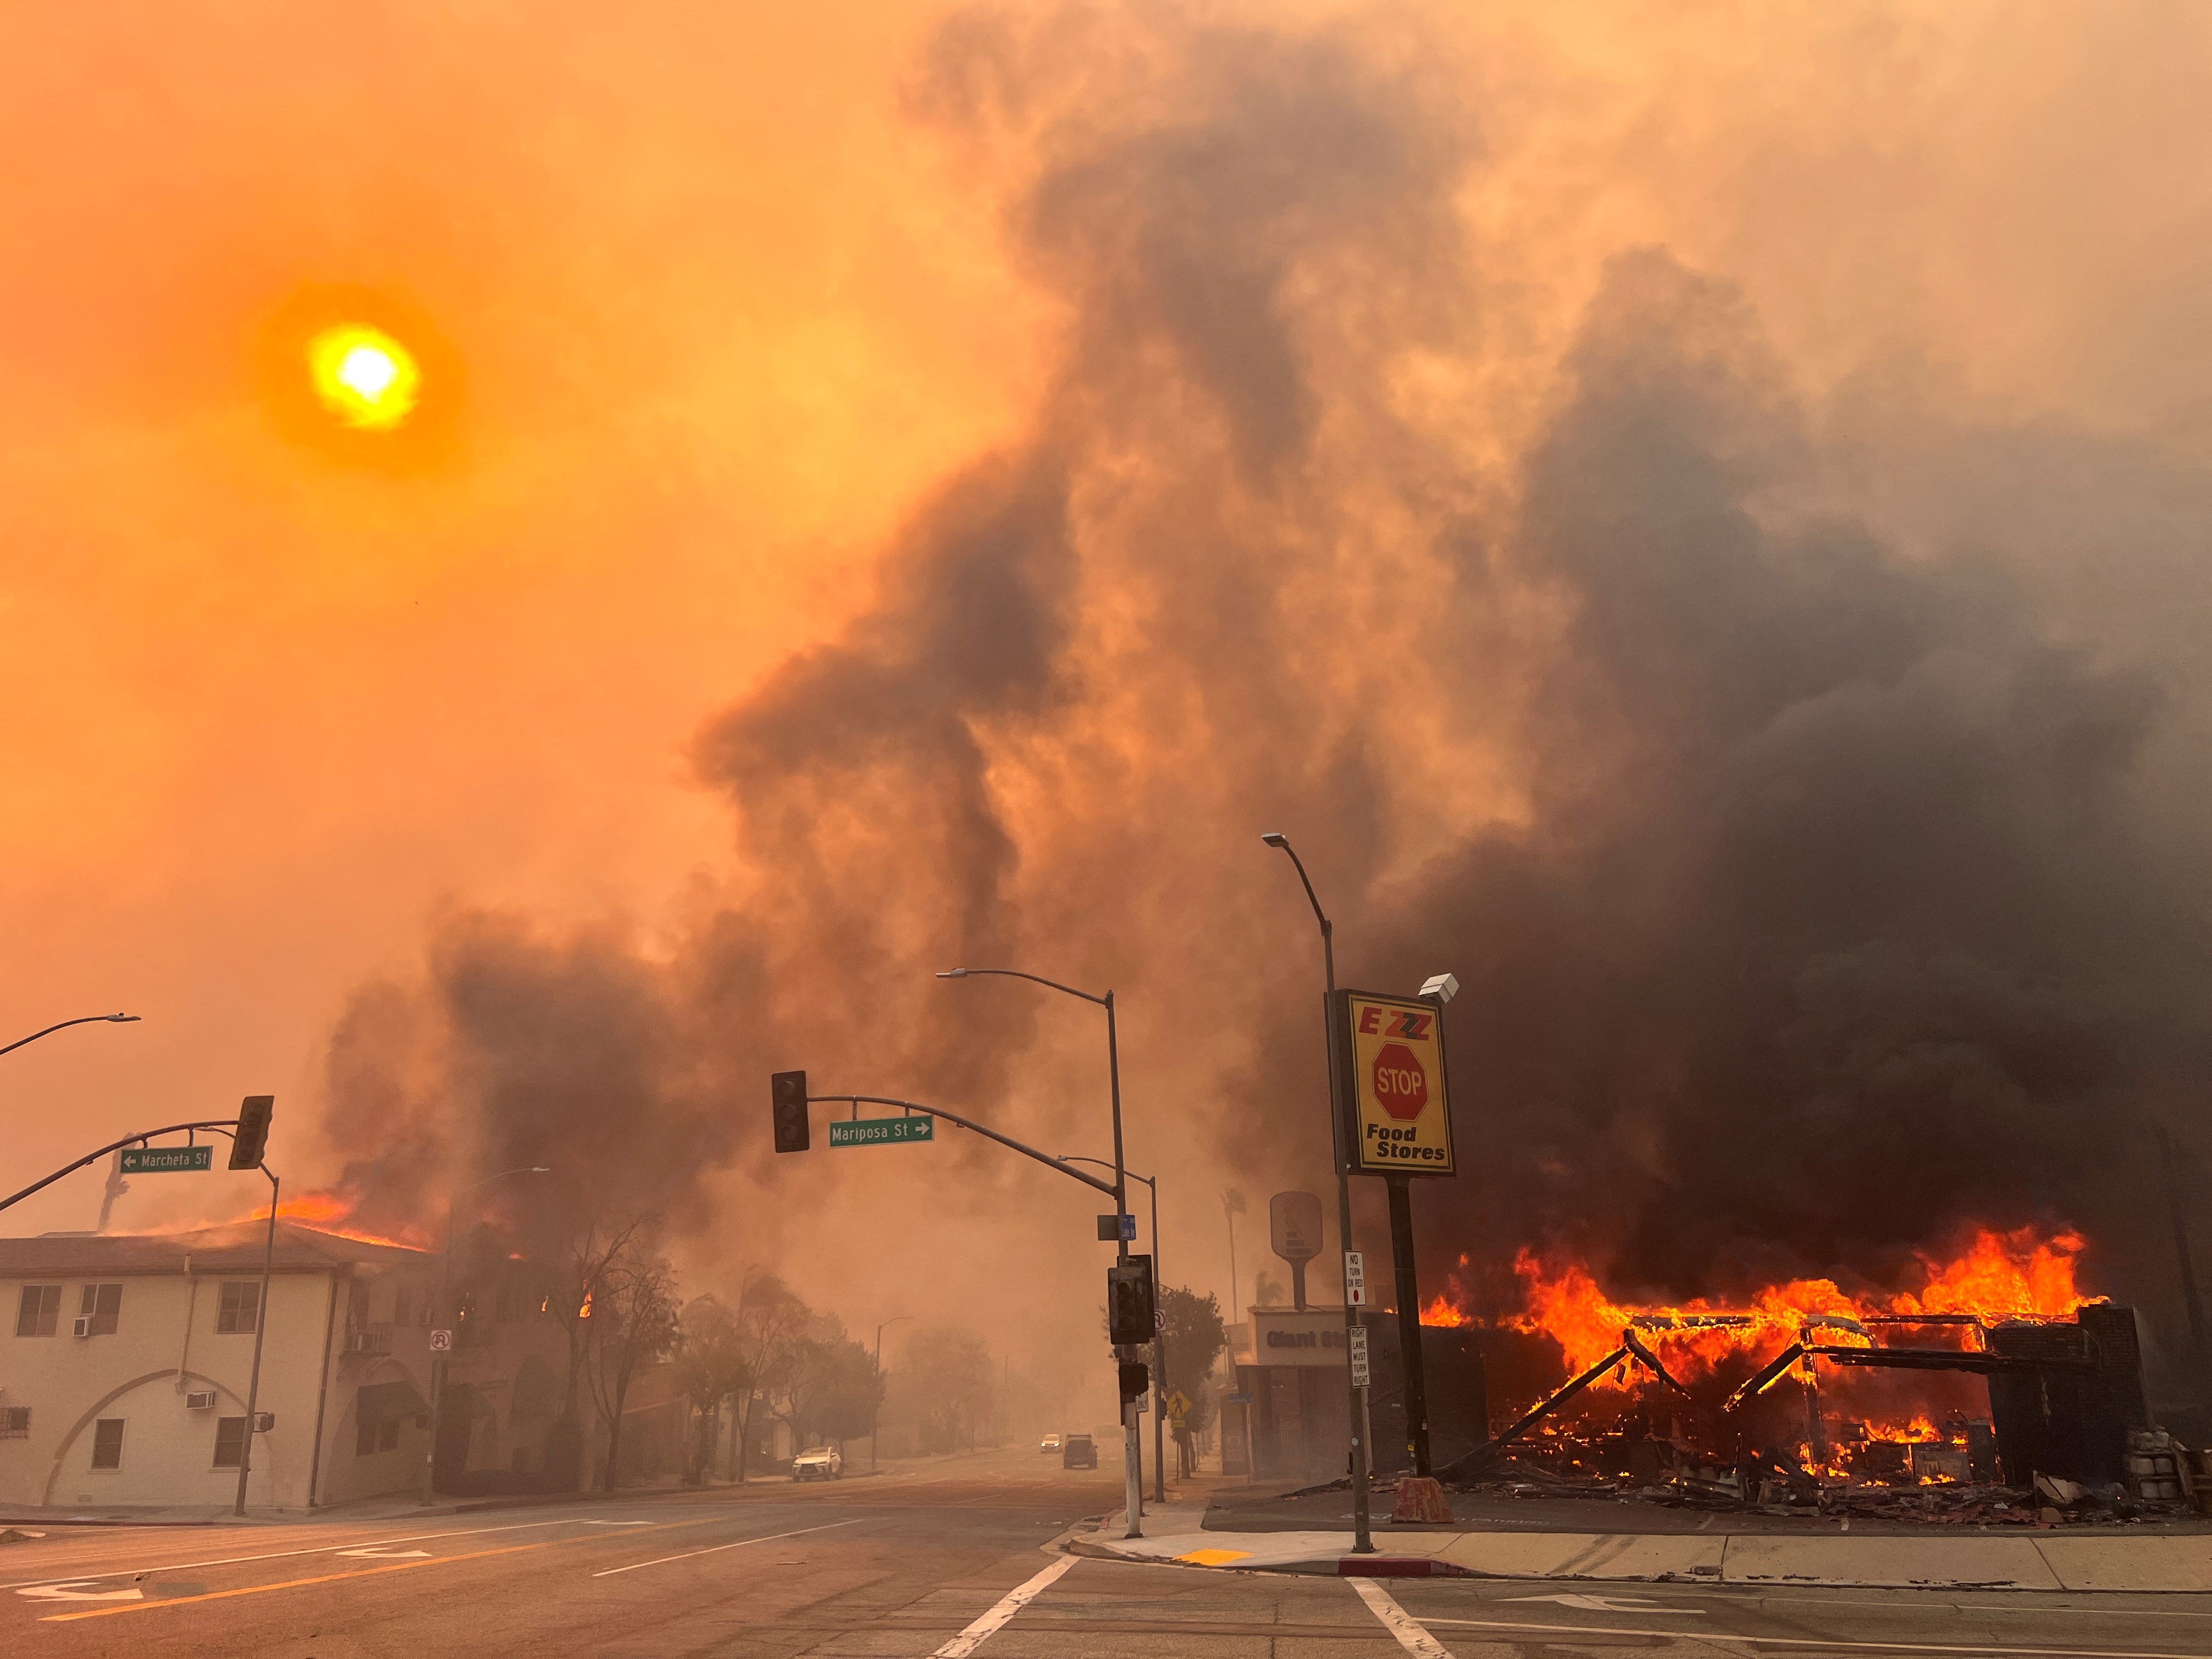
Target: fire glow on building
(1998,1367)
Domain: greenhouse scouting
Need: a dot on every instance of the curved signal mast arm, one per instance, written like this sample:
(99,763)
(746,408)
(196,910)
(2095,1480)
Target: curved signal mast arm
(221,1124)
(953,1117)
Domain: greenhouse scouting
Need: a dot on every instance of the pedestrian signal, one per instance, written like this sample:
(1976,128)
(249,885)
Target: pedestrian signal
(1136,1379)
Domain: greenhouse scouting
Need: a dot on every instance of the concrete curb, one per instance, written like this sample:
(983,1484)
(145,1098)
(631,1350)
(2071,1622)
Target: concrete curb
(2161,1564)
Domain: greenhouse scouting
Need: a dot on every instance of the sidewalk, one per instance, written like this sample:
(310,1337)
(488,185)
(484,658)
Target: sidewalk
(2142,1562)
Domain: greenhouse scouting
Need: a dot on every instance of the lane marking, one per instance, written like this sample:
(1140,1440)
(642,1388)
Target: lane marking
(282,1555)
(1994,1607)
(1607,1604)
(72,1590)
(1757,1641)
(1007,1605)
(360,1572)
(384,1555)
(714,1549)
(1399,1623)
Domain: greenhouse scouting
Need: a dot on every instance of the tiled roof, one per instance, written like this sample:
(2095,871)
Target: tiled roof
(234,1249)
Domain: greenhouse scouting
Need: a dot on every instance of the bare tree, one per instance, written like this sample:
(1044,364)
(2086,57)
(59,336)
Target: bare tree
(634,1313)
(593,1246)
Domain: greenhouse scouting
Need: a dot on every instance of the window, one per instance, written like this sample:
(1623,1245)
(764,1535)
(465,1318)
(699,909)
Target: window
(15,1422)
(240,1308)
(102,1304)
(401,1313)
(229,1441)
(40,1312)
(107,1441)
(372,1437)
(357,1305)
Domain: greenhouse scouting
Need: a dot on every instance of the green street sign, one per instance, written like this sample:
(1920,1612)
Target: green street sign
(161,1160)
(881,1130)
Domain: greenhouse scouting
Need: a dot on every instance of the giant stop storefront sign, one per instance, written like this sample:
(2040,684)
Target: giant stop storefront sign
(1392,1053)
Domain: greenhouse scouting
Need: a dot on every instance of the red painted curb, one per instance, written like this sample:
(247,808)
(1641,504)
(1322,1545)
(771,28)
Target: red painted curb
(1397,1566)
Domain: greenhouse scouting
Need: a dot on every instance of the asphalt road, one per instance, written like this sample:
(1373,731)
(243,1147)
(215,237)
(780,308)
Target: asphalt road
(942,1560)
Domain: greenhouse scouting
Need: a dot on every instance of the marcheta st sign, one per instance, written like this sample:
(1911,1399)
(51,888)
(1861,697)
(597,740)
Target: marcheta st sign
(1393,1051)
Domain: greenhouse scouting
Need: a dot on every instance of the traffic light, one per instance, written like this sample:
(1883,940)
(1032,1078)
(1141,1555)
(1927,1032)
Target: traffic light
(1129,1302)
(251,1139)
(1136,1380)
(787,1091)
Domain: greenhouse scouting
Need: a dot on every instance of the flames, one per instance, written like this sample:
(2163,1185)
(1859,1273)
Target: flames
(2025,1273)
(328,1213)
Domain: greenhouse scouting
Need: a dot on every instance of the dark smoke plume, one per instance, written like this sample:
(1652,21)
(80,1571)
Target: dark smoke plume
(1811,892)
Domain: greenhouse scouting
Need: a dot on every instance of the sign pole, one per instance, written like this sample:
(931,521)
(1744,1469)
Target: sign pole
(1409,1322)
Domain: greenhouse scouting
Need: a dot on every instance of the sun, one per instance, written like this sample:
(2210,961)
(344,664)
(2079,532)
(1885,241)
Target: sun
(364,376)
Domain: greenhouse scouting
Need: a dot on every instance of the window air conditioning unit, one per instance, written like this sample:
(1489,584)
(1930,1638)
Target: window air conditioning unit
(80,1326)
(203,1401)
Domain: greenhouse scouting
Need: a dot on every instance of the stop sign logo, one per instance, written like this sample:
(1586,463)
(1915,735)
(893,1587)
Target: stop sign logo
(1401,1087)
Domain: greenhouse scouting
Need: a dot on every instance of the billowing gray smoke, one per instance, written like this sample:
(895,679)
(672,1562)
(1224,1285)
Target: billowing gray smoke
(1813,896)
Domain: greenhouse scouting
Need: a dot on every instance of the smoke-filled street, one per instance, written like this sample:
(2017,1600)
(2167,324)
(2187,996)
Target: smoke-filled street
(913,1563)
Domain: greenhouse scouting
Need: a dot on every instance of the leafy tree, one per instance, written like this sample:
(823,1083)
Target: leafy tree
(950,1374)
(771,1321)
(1195,1336)
(710,1368)
(831,1391)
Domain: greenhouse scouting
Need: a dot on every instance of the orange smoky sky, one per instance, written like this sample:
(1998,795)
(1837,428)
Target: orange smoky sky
(733,320)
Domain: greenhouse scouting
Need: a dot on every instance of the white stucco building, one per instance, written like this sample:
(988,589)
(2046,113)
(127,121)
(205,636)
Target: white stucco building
(124,1361)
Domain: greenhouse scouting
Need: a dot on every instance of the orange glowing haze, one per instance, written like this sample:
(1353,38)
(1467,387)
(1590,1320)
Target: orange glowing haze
(708,513)
(1999,1275)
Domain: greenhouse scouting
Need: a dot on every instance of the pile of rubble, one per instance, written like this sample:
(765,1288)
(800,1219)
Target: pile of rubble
(2167,1482)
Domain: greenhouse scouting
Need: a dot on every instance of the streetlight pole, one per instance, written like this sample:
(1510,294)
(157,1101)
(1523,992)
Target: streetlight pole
(1364,1543)
(1133,1440)
(876,1415)
(1160,1335)
(444,1285)
(88,1019)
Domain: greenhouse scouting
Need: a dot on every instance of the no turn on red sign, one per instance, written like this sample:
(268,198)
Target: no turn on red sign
(1392,1050)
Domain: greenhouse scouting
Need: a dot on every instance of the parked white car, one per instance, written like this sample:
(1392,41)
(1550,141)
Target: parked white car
(823,1463)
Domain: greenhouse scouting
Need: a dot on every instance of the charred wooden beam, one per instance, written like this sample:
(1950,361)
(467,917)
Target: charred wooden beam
(1767,1376)
(1947,1360)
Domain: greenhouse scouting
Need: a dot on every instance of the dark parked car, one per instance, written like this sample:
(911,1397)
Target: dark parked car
(1081,1452)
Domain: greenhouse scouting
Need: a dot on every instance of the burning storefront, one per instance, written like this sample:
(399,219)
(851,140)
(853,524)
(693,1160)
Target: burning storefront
(1997,1371)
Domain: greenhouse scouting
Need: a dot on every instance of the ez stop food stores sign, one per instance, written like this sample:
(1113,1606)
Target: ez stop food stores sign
(1393,1053)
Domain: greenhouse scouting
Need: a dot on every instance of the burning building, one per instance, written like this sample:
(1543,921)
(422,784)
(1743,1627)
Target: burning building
(1998,1368)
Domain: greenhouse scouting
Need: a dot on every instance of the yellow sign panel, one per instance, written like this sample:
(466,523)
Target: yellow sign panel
(1394,1056)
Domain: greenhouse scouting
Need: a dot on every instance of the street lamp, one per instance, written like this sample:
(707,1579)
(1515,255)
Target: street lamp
(1364,1543)
(88,1019)
(873,1416)
(1133,1449)
(445,1280)
(1159,1333)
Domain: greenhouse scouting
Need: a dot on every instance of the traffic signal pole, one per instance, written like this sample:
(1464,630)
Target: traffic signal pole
(260,1331)
(1133,1437)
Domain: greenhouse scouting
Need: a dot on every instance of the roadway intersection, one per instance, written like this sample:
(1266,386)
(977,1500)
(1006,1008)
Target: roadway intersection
(945,1559)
